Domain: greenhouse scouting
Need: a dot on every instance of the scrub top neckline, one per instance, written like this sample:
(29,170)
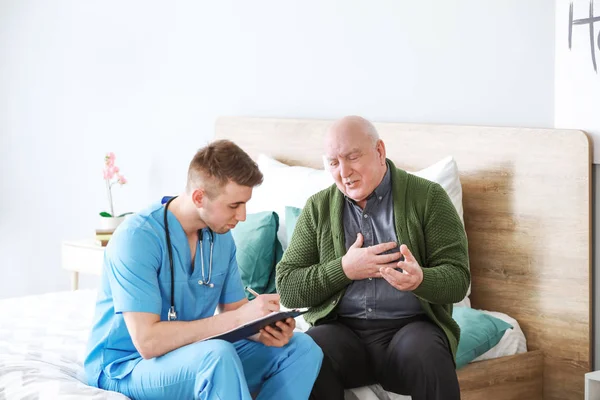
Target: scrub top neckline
(179,238)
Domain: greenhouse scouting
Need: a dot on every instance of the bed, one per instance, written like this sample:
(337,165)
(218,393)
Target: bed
(526,197)
(43,348)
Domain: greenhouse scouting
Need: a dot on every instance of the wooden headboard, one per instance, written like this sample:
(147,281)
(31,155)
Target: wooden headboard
(527,211)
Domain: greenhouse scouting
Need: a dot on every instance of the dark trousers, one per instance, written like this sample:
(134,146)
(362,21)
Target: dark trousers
(409,356)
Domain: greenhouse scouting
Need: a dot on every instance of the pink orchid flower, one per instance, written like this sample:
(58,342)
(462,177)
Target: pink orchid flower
(110,172)
(109,159)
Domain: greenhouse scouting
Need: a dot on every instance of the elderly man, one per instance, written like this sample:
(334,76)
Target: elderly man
(379,258)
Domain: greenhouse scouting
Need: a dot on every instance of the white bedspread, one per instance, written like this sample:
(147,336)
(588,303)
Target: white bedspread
(43,340)
(42,347)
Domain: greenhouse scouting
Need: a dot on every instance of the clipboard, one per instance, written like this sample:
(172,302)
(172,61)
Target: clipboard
(253,327)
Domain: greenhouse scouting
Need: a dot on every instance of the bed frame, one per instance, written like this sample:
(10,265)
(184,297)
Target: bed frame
(527,211)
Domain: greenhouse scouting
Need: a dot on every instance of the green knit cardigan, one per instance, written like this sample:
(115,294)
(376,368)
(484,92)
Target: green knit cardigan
(310,273)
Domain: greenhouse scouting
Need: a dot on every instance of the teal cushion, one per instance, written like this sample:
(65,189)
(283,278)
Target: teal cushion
(258,251)
(291,217)
(479,332)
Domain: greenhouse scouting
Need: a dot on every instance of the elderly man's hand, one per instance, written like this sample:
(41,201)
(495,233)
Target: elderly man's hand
(412,274)
(362,263)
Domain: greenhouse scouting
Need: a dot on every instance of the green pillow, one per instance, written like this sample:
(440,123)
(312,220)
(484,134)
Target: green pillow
(258,251)
(479,332)
(291,217)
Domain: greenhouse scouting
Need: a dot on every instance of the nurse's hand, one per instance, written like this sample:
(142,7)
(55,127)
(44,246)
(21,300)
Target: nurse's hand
(280,336)
(259,307)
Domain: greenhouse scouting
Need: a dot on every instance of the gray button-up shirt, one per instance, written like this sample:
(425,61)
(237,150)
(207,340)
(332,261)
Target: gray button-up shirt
(375,298)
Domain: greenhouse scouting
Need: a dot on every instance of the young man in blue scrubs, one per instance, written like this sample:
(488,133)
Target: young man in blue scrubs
(147,345)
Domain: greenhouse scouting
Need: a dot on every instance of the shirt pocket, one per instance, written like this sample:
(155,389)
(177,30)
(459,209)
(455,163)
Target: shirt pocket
(204,298)
(217,279)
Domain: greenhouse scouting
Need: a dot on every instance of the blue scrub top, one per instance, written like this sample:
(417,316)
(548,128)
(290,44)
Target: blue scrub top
(136,277)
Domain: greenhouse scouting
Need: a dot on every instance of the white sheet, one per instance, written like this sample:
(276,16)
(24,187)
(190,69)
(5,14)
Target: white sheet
(42,347)
(43,340)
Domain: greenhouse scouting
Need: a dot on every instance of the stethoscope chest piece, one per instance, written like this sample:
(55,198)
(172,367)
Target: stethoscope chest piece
(172,314)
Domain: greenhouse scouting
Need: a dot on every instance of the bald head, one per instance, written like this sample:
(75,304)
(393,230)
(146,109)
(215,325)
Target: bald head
(352,126)
(356,157)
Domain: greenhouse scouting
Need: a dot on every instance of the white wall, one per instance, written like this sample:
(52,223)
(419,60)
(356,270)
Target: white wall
(577,77)
(147,80)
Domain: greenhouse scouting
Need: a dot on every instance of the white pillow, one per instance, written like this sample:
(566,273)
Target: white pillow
(284,185)
(466,302)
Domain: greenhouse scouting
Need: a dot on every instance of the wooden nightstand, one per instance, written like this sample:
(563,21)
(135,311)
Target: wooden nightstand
(83,256)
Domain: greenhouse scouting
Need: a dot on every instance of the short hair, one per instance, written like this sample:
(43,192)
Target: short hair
(218,163)
(371,131)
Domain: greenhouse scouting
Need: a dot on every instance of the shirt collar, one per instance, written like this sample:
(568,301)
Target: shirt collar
(386,184)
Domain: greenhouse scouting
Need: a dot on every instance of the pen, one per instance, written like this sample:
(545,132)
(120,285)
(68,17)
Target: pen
(249,289)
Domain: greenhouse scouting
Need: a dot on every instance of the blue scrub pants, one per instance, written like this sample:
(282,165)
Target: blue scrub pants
(216,369)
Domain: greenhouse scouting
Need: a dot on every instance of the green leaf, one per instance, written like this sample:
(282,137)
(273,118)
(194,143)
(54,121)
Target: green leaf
(105,214)
(124,214)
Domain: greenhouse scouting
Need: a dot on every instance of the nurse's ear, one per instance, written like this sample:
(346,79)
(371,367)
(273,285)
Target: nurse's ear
(198,196)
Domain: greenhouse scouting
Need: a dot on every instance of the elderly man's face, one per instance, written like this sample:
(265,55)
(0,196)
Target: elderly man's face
(355,162)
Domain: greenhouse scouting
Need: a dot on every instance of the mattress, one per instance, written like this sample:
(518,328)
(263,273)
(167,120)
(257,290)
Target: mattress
(43,340)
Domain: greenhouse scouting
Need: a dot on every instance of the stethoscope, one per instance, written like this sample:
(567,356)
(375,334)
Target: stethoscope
(172,314)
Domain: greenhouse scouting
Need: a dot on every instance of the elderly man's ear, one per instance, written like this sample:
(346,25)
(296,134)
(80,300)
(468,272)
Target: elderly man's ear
(381,151)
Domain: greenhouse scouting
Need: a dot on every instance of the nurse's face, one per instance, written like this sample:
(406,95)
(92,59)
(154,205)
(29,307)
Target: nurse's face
(225,210)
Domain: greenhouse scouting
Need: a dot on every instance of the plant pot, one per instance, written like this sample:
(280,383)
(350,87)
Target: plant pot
(106,227)
(109,224)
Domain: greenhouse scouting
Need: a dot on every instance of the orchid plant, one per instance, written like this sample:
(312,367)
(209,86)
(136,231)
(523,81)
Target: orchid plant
(112,176)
